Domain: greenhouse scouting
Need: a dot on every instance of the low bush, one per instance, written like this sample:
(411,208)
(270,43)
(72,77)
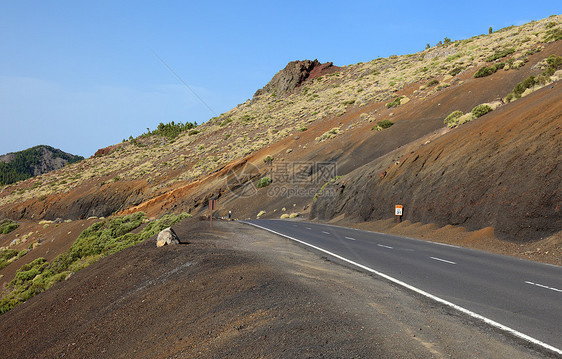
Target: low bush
(7,225)
(268,160)
(481,110)
(97,241)
(452,119)
(9,255)
(432,83)
(385,124)
(488,70)
(264,182)
(394,103)
(172,130)
(553,35)
(554,63)
(455,71)
(500,54)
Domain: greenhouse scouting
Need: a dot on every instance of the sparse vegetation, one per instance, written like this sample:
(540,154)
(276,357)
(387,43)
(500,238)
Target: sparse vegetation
(7,225)
(97,241)
(553,35)
(481,110)
(455,71)
(319,193)
(268,160)
(394,103)
(172,130)
(452,119)
(500,54)
(328,135)
(432,83)
(553,62)
(488,70)
(7,256)
(263,182)
(381,125)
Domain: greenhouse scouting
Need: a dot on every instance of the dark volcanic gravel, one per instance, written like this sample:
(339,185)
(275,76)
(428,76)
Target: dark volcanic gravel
(241,293)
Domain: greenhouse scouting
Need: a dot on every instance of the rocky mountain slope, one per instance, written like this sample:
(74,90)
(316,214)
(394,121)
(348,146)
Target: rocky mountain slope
(33,162)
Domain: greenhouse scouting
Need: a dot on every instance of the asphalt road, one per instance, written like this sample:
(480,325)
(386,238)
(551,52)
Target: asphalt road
(520,297)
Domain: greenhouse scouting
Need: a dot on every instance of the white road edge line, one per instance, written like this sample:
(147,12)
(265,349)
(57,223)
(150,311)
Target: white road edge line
(382,245)
(350,238)
(424,293)
(442,260)
(544,286)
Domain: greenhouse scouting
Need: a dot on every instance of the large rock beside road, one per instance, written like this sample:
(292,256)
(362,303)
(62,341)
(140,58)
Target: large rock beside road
(167,236)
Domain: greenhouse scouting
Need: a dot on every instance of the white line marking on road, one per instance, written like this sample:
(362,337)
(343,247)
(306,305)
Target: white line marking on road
(325,232)
(544,286)
(424,293)
(350,238)
(442,260)
(308,228)
(382,245)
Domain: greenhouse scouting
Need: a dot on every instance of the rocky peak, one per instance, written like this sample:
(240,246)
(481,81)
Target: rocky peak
(294,74)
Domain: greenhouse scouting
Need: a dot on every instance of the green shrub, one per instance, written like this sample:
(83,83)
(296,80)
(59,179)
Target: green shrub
(381,125)
(523,85)
(7,225)
(264,182)
(172,130)
(394,103)
(6,256)
(348,103)
(97,241)
(500,54)
(553,35)
(481,110)
(554,63)
(432,83)
(225,122)
(452,118)
(455,71)
(385,123)
(268,160)
(484,71)
(488,70)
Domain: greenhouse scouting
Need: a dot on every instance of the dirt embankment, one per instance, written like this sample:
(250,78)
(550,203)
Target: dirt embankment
(237,292)
(502,170)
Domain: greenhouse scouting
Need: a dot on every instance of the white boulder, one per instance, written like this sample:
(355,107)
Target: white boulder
(167,236)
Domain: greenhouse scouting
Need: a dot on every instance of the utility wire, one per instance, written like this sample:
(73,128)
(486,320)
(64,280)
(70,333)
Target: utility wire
(185,83)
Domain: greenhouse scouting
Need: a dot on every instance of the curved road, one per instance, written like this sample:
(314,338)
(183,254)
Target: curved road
(521,297)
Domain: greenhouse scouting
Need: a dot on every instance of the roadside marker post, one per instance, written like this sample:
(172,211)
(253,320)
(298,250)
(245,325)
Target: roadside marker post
(212,205)
(398,211)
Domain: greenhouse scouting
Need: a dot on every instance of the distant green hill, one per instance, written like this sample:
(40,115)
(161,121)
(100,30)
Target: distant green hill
(32,162)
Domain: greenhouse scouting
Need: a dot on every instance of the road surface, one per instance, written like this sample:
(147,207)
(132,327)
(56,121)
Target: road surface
(520,297)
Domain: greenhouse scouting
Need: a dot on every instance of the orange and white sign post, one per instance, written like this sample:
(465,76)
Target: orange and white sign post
(398,211)
(212,207)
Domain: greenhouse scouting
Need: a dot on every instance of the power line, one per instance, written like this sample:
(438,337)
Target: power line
(185,83)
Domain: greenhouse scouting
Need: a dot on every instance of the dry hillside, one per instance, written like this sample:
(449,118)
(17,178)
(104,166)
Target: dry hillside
(379,124)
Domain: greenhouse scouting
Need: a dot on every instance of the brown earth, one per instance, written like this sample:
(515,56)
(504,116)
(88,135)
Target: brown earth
(238,292)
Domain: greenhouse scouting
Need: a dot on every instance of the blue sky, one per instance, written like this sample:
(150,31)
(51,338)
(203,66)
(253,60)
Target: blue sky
(84,75)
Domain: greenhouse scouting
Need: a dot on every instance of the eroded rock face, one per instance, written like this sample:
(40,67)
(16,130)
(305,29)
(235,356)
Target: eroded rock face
(167,237)
(294,74)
